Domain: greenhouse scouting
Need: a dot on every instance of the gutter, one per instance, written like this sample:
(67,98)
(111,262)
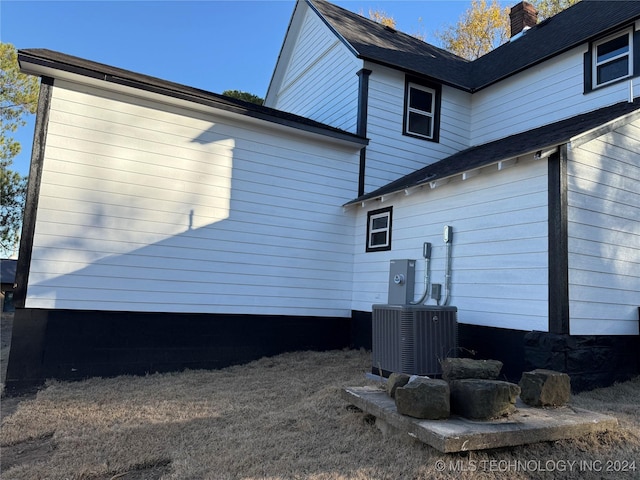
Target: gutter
(49,63)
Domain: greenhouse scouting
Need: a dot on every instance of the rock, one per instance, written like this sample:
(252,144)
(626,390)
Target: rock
(396,380)
(545,388)
(461,368)
(481,399)
(424,398)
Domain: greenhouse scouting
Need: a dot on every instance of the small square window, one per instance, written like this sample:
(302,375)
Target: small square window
(421,115)
(612,59)
(379,230)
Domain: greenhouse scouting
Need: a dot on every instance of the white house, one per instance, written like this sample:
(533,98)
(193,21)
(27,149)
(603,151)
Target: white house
(168,227)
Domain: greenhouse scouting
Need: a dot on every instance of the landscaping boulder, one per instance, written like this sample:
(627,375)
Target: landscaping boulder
(424,398)
(396,380)
(481,399)
(462,368)
(545,388)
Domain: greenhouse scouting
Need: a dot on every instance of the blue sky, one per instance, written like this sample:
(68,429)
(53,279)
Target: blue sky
(214,45)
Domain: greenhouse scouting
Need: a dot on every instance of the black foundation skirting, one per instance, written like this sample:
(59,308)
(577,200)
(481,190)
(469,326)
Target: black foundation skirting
(361,330)
(591,361)
(486,343)
(69,344)
(491,343)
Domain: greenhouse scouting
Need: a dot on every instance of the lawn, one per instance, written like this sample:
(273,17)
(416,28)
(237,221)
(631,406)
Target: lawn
(276,418)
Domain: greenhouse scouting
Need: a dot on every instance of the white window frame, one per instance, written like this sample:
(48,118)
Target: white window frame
(596,64)
(372,216)
(431,114)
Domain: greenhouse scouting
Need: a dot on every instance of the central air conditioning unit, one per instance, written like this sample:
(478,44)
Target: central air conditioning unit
(413,339)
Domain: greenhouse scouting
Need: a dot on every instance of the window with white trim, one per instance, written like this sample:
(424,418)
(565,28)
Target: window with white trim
(379,230)
(421,115)
(612,59)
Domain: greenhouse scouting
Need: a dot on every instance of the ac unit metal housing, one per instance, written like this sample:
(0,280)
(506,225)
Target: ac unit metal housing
(413,339)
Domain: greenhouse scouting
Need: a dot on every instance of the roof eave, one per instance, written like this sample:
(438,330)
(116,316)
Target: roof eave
(46,67)
(449,83)
(437,180)
(566,48)
(618,115)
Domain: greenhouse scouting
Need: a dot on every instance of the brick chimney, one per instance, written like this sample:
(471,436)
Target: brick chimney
(523,16)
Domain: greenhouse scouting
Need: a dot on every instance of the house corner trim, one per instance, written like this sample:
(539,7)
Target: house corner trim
(33,191)
(558,242)
(361,126)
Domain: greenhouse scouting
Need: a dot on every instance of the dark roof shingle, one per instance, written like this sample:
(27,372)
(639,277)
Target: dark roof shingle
(576,25)
(393,48)
(506,148)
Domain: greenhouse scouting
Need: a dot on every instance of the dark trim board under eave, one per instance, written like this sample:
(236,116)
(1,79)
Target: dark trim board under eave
(33,191)
(77,344)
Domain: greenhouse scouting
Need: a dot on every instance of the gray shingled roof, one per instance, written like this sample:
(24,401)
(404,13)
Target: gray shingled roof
(513,146)
(574,26)
(373,41)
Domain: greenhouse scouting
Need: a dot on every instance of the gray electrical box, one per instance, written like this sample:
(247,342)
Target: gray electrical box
(402,275)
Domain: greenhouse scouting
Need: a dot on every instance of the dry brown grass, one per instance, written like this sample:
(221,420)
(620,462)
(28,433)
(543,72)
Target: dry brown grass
(277,418)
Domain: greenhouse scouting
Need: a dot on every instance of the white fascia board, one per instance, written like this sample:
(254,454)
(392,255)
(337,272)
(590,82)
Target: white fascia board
(600,130)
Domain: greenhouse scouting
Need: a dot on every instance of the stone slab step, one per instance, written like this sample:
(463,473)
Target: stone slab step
(527,425)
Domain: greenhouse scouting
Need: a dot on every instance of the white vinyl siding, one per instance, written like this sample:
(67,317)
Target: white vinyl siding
(604,234)
(320,81)
(390,154)
(500,246)
(151,207)
(539,96)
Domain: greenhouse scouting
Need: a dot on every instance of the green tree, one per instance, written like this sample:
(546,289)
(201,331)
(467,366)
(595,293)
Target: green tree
(246,96)
(481,28)
(18,98)
(484,27)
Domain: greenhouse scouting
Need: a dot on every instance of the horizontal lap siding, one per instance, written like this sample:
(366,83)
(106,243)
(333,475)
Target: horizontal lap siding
(500,257)
(320,82)
(390,154)
(541,95)
(604,234)
(148,207)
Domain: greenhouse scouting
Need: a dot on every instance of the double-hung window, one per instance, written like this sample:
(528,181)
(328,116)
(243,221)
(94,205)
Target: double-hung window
(379,230)
(422,105)
(612,59)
